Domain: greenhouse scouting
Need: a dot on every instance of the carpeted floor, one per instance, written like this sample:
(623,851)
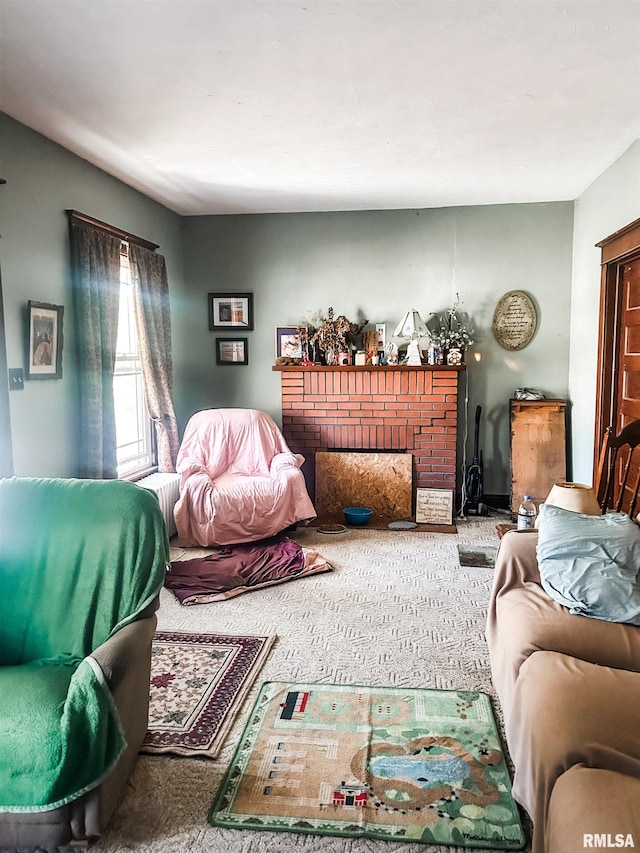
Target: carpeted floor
(397,610)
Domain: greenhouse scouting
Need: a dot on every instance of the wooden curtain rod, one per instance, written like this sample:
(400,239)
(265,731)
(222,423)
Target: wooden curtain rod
(75,217)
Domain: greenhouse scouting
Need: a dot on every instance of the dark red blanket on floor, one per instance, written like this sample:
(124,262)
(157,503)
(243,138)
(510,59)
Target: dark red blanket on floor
(234,569)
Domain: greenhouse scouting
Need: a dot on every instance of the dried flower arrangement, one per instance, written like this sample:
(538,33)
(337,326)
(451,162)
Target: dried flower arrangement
(334,335)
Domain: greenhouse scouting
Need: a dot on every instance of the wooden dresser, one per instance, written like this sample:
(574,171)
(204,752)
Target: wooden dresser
(538,448)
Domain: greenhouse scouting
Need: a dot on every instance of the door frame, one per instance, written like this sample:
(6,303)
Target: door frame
(616,250)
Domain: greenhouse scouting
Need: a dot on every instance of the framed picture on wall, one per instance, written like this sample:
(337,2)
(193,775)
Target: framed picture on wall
(232,351)
(230,311)
(288,342)
(44,341)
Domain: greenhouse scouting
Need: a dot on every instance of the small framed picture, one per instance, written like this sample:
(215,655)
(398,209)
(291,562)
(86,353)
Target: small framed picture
(381,329)
(434,506)
(289,343)
(230,311)
(232,351)
(44,359)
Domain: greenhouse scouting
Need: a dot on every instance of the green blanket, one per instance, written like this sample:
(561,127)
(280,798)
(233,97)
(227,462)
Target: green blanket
(79,560)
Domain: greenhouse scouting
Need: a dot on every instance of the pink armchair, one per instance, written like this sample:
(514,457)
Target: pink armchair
(239,482)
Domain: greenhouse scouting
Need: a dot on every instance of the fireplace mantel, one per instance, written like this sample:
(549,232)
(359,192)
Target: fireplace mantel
(367,368)
(400,408)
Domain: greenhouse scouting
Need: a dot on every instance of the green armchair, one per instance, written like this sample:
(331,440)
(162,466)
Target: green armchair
(82,563)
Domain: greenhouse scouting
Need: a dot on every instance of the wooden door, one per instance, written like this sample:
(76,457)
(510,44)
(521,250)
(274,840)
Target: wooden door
(627,401)
(618,398)
(627,395)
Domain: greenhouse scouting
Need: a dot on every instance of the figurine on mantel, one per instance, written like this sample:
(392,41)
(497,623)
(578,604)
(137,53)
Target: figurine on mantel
(413,353)
(392,353)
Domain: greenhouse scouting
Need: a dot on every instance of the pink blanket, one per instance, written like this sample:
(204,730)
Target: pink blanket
(239,482)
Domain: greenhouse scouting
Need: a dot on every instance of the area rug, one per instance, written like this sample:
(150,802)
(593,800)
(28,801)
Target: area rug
(198,684)
(477,556)
(395,763)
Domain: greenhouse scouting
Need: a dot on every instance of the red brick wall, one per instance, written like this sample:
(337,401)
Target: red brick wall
(378,408)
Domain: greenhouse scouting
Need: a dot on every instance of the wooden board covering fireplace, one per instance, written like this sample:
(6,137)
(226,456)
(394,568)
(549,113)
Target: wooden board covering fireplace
(384,408)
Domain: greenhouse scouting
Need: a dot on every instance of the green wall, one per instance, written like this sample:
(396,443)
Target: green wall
(371,265)
(44,180)
(376,265)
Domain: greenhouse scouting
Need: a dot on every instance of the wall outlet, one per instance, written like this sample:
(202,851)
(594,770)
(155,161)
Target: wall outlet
(16,379)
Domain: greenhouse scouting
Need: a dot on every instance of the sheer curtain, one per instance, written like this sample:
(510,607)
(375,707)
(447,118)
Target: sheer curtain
(153,329)
(6,452)
(95,262)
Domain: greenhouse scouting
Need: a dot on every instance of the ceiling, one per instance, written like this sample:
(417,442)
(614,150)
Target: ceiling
(251,106)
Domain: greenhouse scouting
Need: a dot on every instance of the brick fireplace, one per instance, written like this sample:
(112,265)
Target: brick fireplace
(400,409)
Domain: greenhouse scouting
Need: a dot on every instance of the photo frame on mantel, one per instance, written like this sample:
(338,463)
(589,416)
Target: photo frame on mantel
(288,342)
(44,341)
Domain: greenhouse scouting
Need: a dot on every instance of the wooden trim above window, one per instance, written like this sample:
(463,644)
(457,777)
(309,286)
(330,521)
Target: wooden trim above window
(77,218)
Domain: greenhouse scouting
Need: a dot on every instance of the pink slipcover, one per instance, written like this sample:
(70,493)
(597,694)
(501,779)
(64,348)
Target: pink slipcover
(239,482)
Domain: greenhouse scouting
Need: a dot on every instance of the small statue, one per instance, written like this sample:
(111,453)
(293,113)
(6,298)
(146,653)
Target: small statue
(413,353)
(392,353)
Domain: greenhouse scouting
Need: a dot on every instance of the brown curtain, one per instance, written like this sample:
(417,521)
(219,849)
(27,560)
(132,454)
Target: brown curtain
(95,267)
(153,327)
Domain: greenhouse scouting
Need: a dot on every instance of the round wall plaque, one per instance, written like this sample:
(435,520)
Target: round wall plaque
(514,320)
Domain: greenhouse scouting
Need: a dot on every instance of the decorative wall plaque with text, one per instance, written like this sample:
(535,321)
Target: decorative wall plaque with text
(434,506)
(514,320)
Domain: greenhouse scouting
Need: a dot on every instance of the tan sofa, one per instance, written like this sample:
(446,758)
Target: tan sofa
(569,686)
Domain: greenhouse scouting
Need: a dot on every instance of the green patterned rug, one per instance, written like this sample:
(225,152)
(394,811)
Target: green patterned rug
(392,763)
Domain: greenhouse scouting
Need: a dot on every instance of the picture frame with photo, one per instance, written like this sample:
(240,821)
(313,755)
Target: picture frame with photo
(44,340)
(289,342)
(232,351)
(230,310)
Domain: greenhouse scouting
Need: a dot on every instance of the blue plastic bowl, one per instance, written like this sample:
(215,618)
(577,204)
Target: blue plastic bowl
(357,515)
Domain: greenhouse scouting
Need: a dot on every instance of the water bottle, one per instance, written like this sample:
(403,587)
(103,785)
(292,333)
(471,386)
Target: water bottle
(526,514)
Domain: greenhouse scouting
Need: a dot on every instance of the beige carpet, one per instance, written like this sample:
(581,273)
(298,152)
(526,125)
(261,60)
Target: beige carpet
(397,610)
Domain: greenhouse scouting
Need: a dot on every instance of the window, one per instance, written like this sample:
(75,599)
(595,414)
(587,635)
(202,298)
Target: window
(134,433)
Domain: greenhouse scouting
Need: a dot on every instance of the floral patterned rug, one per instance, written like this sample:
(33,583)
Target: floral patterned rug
(198,685)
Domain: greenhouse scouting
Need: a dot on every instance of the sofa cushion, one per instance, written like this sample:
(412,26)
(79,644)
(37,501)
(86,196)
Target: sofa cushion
(571,713)
(590,563)
(592,808)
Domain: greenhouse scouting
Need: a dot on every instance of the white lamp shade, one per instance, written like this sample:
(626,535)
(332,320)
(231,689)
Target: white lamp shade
(411,326)
(575,497)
